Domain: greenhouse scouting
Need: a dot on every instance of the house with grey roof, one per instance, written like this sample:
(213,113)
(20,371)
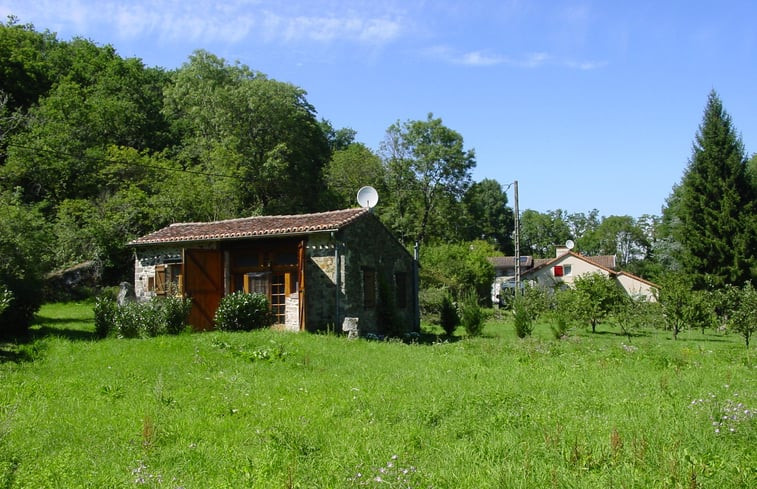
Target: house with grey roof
(315,269)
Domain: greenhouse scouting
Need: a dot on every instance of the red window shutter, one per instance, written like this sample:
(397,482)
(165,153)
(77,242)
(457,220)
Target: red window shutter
(558,271)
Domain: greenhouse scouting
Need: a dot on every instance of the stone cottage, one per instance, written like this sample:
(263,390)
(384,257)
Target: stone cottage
(316,269)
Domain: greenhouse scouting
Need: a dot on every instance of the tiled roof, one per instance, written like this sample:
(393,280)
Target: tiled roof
(606,261)
(639,279)
(589,259)
(509,261)
(527,261)
(252,227)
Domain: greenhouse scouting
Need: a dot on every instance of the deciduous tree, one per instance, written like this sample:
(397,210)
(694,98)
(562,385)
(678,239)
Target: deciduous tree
(459,268)
(487,215)
(350,169)
(262,132)
(426,164)
(596,297)
(744,317)
(540,232)
(24,247)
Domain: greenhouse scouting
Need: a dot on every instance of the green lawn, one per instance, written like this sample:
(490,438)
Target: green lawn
(272,409)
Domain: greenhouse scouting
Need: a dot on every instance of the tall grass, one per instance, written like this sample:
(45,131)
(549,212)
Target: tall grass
(270,410)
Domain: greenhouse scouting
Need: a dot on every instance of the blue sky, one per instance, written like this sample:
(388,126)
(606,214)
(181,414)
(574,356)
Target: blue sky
(588,104)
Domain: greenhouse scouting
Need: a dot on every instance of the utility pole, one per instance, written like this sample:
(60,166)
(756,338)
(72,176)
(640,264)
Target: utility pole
(517,238)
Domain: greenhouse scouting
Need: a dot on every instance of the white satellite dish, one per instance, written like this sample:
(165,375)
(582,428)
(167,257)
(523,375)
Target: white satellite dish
(367,197)
(570,244)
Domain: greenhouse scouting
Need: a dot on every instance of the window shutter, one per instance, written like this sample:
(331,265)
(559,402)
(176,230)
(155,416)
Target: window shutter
(369,288)
(160,279)
(400,284)
(558,271)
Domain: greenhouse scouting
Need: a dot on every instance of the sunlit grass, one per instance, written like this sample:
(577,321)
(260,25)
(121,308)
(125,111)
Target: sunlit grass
(272,409)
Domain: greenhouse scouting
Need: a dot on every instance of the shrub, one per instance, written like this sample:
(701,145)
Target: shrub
(161,315)
(105,310)
(522,317)
(173,312)
(527,307)
(448,317)
(744,318)
(243,312)
(472,315)
(430,301)
(459,267)
(561,313)
(135,319)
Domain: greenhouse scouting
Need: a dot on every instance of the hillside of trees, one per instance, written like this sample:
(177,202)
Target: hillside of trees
(96,149)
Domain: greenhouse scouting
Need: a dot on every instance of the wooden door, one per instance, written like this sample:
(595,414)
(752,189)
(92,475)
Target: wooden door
(203,283)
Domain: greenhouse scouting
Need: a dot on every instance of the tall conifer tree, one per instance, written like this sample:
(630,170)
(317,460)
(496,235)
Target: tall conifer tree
(712,211)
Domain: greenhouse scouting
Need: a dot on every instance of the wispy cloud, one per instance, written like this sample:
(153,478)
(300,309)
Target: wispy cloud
(470,58)
(585,65)
(534,60)
(478,58)
(230,21)
(370,30)
(526,61)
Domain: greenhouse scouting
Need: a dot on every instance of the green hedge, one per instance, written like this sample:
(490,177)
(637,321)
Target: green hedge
(240,311)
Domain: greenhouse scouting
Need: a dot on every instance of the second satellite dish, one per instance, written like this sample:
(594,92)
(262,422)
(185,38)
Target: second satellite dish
(367,197)
(570,244)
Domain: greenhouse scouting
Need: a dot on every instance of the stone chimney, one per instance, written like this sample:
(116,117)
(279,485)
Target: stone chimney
(560,250)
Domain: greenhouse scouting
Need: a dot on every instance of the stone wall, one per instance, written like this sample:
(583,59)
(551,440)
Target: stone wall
(292,312)
(144,267)
(320,285)
(368,244)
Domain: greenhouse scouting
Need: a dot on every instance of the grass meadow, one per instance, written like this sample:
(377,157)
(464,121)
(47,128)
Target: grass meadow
(279,410)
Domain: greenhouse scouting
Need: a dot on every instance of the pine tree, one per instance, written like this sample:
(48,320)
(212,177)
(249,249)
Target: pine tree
(712,211)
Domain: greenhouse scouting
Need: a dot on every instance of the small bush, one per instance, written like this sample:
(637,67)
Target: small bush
(472,315)
(243,312)
(161,315)
(448,318)
(522,317)
(527,307)
(105,310)
(133,319)
(561,314)
(173,312)
(430,301)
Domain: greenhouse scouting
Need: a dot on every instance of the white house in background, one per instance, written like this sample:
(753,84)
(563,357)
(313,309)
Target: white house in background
(563,270)
(567,265)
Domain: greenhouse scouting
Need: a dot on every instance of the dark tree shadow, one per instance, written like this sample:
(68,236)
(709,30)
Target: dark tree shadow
(10,353)
(71,334)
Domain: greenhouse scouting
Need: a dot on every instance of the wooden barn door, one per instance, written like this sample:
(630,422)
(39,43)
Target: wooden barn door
(203,282)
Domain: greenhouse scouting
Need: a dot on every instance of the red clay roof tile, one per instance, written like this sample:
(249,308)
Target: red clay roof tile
(249,227)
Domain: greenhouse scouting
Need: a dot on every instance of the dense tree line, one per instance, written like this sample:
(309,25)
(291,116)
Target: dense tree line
(96,150)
